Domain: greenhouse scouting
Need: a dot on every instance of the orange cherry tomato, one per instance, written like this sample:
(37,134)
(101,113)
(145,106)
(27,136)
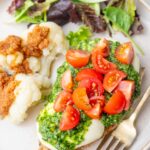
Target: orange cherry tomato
(81,99)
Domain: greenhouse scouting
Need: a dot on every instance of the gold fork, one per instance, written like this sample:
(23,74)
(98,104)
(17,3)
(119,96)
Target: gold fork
(125,133)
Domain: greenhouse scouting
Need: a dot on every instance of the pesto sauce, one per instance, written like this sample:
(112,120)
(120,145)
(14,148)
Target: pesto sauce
(49,123)
(62,140)
(109,120)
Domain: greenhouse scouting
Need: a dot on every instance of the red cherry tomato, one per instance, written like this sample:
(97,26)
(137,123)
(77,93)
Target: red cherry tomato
(88,73)
(102,47)
(70,118)
(100,64)
(93,87)
(77,58)
(125,53)
(95,111)
(116,103)
(127,87)
(81,99)
(62,100)
(67,82)
(99,99)
(112,79)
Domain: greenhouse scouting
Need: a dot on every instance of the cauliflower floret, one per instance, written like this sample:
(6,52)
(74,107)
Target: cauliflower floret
(57,38)
(26,93)
(15,59)
(34,64)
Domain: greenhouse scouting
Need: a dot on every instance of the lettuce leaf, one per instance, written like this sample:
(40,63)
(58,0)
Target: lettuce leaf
(74,38)
(119,18)
(33,12)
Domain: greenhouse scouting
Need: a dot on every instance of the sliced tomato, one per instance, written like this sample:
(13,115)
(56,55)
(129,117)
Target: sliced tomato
(70,118)
(100,64)
(127,87)
(77,58)
(89,73)
(112,79)
(102,47)
(62,100)
(81,99)
(99,99)
(95,111)
(94,87)
(125,53)
(67,82)
(116,103)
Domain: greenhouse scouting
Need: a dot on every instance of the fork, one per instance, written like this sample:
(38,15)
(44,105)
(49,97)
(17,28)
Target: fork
(125,133)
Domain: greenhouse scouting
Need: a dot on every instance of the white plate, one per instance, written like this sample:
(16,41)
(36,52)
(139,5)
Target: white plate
(24,137)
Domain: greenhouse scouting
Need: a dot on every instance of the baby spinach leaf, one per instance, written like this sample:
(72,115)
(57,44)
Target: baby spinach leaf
(119,18)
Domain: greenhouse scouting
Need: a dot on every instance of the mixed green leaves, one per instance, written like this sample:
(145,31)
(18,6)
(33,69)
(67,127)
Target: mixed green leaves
(119,18)
(32,11)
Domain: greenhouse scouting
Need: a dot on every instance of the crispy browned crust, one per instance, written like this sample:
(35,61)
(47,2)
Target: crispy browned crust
(108,130)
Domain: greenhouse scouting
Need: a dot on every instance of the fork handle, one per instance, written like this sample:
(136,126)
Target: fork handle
(138,108)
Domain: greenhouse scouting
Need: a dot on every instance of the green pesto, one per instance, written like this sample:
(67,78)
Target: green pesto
(49,129)
(109,120)
(128,69)
(49,122)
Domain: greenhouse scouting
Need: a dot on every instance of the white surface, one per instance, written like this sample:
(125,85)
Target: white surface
(24,136)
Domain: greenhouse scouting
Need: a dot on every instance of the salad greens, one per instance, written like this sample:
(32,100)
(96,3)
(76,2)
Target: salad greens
(99,15)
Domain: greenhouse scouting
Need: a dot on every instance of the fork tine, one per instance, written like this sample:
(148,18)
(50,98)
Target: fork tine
(115,144)
(122,147)
(106,143)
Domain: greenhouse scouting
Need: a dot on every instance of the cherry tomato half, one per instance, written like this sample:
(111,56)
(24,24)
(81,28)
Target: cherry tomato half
(88,73)
(102,47)
(116,103)
(95,111)
(77,58)
(67,82)
(70,118)
(81,99)
(99,99)
(125,53)
(100,64)
(112,79)
(94,87)
(62,100)
(127,87)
